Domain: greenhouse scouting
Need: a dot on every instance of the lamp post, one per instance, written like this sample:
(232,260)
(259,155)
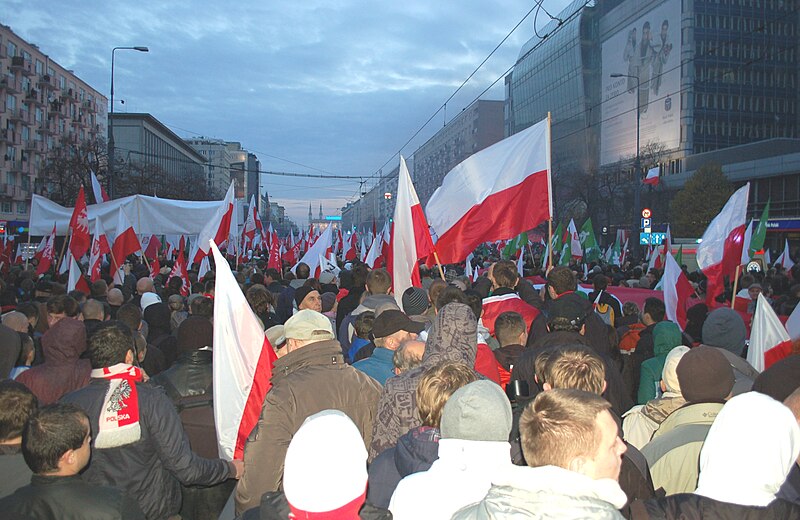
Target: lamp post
(637,166)
(111,116)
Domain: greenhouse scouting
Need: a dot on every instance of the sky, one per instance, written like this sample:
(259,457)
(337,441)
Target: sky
(321,87)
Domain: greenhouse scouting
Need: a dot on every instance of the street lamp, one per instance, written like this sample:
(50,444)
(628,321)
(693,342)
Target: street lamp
(111,116)
(637,181)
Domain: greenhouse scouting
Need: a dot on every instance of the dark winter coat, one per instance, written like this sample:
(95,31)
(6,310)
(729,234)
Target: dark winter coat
(68,498)
(688,506)
(415,452)
(62,371)
(152,469)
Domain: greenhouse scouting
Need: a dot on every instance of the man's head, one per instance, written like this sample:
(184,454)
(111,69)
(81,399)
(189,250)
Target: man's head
(392,327)
(379,282)
(17,404)
(575,367)
(478,411)
(504,274)
(61,306)
(56,440)
(600,282)
(754,290)
(705,375)
(363,324)
(510,329)
(111,343)
(306,327)
(99,289)
(115,297)
(145,285)
(307,297)
(654,311)
(450,294)
(561,280)
(15,320)
(437,385)
(202,306)
(277,338)
(93,310)
(302,271)
(415,301)
(724,328)
(573,430)
(568,314)
(408,355)
(130,315)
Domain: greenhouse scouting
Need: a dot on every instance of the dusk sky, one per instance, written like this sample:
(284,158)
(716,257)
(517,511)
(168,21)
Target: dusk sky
(309,87)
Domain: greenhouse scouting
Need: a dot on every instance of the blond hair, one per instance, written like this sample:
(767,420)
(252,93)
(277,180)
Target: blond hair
(575,367)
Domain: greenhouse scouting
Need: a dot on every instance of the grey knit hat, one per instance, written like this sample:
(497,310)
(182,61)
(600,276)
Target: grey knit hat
(415,301)
(724,328)
(479,411)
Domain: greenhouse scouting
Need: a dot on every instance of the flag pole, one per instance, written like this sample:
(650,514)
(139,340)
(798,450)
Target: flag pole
(735,286)
(63,247)
(550,241)
(549,192)
(28,248)
(438,264)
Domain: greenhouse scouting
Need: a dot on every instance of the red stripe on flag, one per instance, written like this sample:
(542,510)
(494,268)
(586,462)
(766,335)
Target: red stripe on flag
(255,400)
(776,353)
(499,216)
(731,257)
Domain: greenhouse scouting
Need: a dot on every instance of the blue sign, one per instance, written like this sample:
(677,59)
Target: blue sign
(646,222)
(657,239)
(644,239)
(331,217)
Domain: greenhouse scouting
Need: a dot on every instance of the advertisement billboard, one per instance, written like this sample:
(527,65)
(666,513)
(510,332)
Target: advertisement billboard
(648,49)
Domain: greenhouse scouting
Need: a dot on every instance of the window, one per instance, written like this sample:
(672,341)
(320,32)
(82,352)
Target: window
(11,49)
(11,178)
(5,206)
(22,207)
(39,67)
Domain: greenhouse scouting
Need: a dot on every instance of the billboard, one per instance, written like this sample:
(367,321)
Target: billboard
(647,49)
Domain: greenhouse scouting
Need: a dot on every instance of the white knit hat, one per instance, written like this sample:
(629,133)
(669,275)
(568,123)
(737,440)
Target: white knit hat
(326,464)
(148,299)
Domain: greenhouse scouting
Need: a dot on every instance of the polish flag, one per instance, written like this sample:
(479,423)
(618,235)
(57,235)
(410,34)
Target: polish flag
(125,243)
(494,306)
(249,231)
(79,225)
(76,279)
(243,360)
(652,176)
(785,258)
(720,251)
(99,248)
(152,247)
(352,250)
(575,240)
(677,291)
(410,239)
(769,341)
(494,194)
(48,255)
(218,227)
(100,194)
(18,257)
(322,246)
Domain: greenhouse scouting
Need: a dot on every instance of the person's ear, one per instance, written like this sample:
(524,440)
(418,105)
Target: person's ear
(583,330)
(67,459)
(552,292)
(129,357)
(546,386)
(577,464)
(605,386)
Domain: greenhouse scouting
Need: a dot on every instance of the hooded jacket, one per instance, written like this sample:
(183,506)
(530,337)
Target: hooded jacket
(304,382)
(453,337)
(62,371)
(666,336)
(10,346)
(415,452)
(547,492)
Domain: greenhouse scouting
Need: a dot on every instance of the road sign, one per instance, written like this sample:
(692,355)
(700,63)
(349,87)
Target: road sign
(644,239)
(646,222)
(646,213)
(657,239)
(647,229)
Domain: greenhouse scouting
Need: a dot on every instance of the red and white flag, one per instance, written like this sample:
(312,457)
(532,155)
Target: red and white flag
(155,268)
(677,291)
(79,226)
(494,194)
(575,240)
(769,340)
(352,249)
(18,257)
(249,231)
(274,261)
(720,250)
(153,247)
(179,269)
(322,246)
(374,252)
(76,279)
(243,360)
(410,239)
(218,228)
(652,176)
(99,248)
(785,258)
(100,194)
(125,243)
(48,255)
(494,306)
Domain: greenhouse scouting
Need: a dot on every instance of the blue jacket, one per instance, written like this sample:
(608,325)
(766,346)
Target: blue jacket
(379,366)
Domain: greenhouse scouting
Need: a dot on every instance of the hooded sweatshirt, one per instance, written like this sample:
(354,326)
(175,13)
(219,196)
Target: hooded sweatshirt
(453,337)
(10,346)
(666,336)
(751,476)
(62,371)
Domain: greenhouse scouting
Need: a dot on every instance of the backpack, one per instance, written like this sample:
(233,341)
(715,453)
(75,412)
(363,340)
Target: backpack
(628,341)
(605,311)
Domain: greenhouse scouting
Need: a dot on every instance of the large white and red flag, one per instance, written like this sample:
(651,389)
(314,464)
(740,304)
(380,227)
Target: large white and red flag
(100,194)
(677,291)
(218,227)
(126,242)
(494,194)
(249,230)
(410,239)
(352,249)
(243,360)
(785,259)
(76,279)
(100,247)
(322,246)
(652,176)
(48,253)
(374,252)
(769,340)
(720,250)
(79,227)
(152,247)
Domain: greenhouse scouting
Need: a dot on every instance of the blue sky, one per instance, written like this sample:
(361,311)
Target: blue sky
(334,86)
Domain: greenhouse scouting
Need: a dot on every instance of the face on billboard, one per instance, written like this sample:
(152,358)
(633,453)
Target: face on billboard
(653,60)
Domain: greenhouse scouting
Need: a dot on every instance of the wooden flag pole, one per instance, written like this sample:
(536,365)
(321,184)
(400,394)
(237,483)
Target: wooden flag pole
(550,242)
(735,286)
(63,247)
(439,264)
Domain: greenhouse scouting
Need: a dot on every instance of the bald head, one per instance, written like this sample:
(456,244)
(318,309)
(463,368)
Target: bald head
(93,310)
(15,320)
(144,285)
(115,297)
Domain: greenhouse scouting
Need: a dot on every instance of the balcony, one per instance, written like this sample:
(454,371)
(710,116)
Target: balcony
(19,64)
(20,115)
(9,84)
(47,127)
(7,136)
(34,96)
(14,166)
(34,146)
(45,82)
(89,106)
(21,193)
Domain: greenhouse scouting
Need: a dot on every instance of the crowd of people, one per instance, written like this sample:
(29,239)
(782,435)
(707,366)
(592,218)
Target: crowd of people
(461,399)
